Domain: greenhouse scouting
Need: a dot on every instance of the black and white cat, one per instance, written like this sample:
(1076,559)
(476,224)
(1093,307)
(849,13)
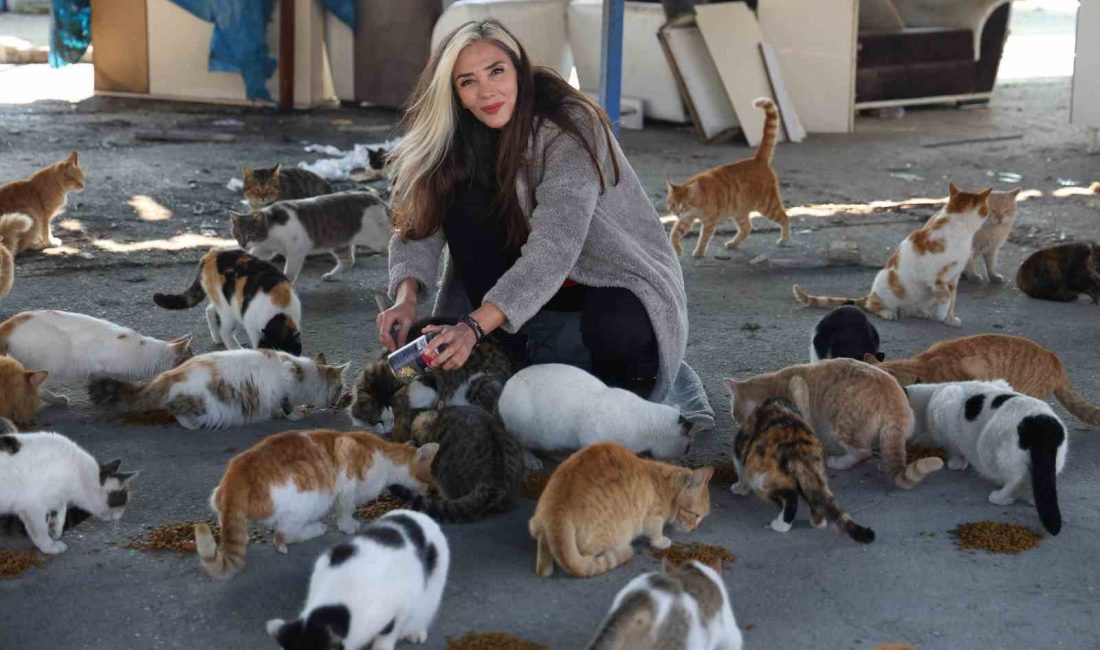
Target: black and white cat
(333,223)
(1011,439)
(374,590)
(43,474)
(845,332)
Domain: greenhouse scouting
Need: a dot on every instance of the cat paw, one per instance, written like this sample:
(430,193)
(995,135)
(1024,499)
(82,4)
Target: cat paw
(294,415)
(730,245)
(957,463)
(330,277)
(954,321)
(887,314)
(348,527)
(699,254)
(660,543)
(819,524)
(783,242)
(531,461)
(54,548)
(417,637)
(741,488)
(55,242)
(281,548)
(997,279)
(187,423)
(998,499)
(778,525)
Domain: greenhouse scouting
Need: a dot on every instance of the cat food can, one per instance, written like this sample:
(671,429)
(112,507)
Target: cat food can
(413,360)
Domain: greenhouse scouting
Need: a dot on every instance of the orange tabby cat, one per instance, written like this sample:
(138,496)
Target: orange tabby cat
(12,228)
(858,403)
(732,190)
(41,197)
(1030,368)
(293,479)
(19,391)
(604,496)
(992,236)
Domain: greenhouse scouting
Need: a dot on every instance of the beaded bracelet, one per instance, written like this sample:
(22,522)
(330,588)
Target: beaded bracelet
(472,323)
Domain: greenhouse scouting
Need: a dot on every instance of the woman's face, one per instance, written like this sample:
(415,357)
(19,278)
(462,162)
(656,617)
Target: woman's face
(485,81)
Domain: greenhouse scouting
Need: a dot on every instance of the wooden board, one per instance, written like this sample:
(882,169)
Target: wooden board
(121,46)
(816,45)
(786,107)
(698,81)
(733,39)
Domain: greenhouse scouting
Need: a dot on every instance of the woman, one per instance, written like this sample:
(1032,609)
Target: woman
(515,179)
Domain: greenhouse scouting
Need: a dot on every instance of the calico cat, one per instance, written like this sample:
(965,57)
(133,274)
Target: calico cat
(1027,366)
(379,588)
(44,472)
(604,496)
(848,401)
(778,456)
(845,332)
(75,347)
(479,467)
(732,190)
(244,291)
(224,389)
(334,223)
(12,229)
(552,407)
(921,276)
(291,480)
(992,236)
(685,606)
(1061,273)
(262,187)
(19,391)
(1011,439)
(41,197)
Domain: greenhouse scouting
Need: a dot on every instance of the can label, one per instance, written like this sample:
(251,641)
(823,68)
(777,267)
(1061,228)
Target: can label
(413,360)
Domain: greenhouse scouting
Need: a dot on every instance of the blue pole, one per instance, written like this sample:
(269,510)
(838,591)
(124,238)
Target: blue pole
(611,60)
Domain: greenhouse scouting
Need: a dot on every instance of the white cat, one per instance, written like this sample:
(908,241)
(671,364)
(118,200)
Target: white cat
(222,389)
(687,607)
(1011,439)
(74,347)
(552,407)
(374,590)
(44,473)
(921,277)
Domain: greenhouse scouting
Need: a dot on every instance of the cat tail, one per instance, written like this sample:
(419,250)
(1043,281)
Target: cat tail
(7,270)
(1076,404)
(1042,435)
(224,561)
(892,438)
(106,391)
(480,501)
(562,541)
(825,301)
(810,476)
(766,149)
(12,224)
(189,298)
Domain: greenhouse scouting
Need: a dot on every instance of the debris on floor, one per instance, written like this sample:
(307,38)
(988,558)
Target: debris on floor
(914,452)
(179,536)
(708,554)
(995,537)
(14,563)
(492,641)
(343,163)
(725,472)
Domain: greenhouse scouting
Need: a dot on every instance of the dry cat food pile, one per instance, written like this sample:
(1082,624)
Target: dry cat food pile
(708,554)
(534,483)
(14,563)
(179,536)
(492,641)
(995,537)
(915,452)
(725,473)
(378,507)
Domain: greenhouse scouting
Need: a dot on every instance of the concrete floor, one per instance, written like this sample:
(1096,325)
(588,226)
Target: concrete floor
(804,589)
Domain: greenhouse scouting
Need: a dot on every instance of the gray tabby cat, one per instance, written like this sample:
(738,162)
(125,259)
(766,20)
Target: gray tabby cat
(262,187)
(334,223)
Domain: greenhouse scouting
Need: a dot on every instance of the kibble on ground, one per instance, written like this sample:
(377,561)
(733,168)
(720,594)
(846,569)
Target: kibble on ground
(492,641)
(14,563)
(708,554)
(995,537)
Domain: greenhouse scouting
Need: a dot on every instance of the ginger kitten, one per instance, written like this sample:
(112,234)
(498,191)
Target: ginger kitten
(732,190)
(42,197)
(1027,366)
(921,276)
(604,496)
(992,236)
(846,401)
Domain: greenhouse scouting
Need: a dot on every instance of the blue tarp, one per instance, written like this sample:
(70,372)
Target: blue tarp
(70,31)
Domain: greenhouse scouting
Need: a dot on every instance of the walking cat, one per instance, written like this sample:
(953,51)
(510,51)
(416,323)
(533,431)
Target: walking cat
(19,391)
(685,606)
(374,590)
(76,347)
(224,389)
(845,332)
(42,473)
(602,497)
(262,187)
(1061,273)
(333,223)
(1027,366)
(41,197)
(552,407)
(921,277)
(12,228)
(992,236)
(732,190)
(845,401)
(290,481)
(247,292)
(1011,439)
(778,457)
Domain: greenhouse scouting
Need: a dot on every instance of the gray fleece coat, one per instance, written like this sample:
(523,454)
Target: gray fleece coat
(608,239)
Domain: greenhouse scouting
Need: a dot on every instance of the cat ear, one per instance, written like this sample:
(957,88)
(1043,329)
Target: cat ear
(181,342)
(36,377)
(320,359)
(731,384)
(871,358)
(881,356)
(274,625)
(73,159)
(952,190)
(107,469)
(1014,192)
(700,478)
(238,215)
(278,168)
(426,453)
(124,477)
(247,172)
(984,194)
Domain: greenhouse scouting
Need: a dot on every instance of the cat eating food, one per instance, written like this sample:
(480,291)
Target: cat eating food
(244,291)
(732,190)
(1061,273)
(262,187)
(19,391)
(921,277)
(992,236)
(41,197)
(334,223)
(845,332)
(291,480)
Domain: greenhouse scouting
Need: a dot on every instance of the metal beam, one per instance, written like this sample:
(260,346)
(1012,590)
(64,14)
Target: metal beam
(611,59)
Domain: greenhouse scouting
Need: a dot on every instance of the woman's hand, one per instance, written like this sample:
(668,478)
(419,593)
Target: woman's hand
(402,315)
(452,346)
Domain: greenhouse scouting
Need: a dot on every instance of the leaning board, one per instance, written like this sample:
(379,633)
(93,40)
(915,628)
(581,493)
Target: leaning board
(698,80)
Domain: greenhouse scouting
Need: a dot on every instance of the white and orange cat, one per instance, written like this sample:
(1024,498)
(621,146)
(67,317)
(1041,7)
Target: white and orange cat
(921,277)
(992,236)
(732,190)
(41,197)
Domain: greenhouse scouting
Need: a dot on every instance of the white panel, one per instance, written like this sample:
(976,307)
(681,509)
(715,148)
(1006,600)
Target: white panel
(340,43)
(1085,109)
(704,88)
